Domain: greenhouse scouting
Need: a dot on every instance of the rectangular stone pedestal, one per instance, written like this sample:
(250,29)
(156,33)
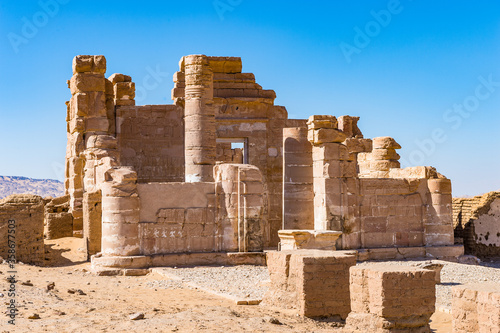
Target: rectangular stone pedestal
(476,308)
(313,282)
(387,298)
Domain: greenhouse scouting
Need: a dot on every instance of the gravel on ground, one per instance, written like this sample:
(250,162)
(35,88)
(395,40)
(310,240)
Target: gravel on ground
(246,281)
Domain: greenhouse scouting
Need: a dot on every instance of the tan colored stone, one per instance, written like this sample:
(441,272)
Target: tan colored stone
(385,142)
(115,78)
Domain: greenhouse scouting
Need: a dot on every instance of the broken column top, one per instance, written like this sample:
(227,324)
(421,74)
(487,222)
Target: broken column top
(92,64)
(227,65)
(385,142)
(321,121)
(117,77)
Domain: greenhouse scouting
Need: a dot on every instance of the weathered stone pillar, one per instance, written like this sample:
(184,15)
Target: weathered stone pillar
(298,195)
(87,115)
(381,159)
(101,154)
(328,154)
(242,207)
(199,120)
(438,225)
(120,213)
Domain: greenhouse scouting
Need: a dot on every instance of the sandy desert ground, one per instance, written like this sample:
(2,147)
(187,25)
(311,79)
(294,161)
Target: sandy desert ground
(106,303)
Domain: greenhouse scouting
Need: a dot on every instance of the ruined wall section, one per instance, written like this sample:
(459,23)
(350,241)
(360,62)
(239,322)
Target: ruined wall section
(477,221)
(360,190)
(26,210)
(58,221)
(245,111)
(151,140)
(225,216)
(87,114)
(178,218)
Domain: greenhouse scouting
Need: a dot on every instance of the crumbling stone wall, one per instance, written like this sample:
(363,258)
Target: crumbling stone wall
(477,222)
(333,177)
(360,190)
(58,221)
(314,283)
(27,211)
(227,154)
(387,298)
(89,112)
(476,308)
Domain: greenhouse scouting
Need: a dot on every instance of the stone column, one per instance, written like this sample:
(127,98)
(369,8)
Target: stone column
(120,213)
(242,207)
(298,195)
(199,120)
(438,225)
(328,154)
(87,115)
(101,154)
(381,159)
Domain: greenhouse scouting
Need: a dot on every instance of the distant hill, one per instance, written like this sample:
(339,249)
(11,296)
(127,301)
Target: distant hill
(42,187)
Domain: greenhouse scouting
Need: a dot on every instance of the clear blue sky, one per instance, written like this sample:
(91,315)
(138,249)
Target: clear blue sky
(426,73)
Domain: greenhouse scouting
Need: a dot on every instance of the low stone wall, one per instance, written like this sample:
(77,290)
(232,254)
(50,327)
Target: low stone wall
(476,308)
(58,220)
(386,298)
(27,212)
(314,283)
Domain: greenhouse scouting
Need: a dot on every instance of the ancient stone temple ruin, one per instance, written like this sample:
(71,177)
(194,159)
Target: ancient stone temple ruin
(222,174)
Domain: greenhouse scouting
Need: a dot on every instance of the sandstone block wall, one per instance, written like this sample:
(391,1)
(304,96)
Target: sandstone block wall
(477,222)
(476,308)
(27,211)
(391,213)
(151,140)
(225,153)
(386,298)
(178,218)
(329,175)
(58,221)
(314,283)
(226,216)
